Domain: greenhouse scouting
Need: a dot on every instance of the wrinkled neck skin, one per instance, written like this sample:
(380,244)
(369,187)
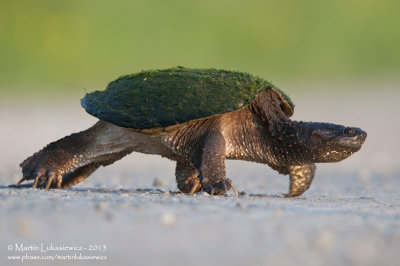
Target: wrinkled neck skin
(283,142)
(263,133)
(289,145)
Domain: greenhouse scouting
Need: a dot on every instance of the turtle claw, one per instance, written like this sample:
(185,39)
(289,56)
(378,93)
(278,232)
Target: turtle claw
(50,178)
(36,181)
(221,187)
(43,169)
(41,178)
(58,181)
(195,186)
(233,187)
(291,194)
(20,181)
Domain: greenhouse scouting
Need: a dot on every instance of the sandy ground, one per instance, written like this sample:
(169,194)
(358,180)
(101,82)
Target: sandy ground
(350,216)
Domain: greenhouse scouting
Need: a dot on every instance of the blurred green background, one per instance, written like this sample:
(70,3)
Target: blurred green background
(53,47)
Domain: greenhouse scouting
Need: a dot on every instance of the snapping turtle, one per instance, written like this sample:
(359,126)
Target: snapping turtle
(198,118)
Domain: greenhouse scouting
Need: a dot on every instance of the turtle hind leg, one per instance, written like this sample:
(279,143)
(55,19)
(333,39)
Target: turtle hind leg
(187,177)
(301,177)
(72,159)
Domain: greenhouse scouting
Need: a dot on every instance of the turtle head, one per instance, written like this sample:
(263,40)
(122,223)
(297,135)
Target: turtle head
(332,143)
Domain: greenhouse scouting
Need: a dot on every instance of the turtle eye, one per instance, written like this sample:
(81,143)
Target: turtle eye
(350,132)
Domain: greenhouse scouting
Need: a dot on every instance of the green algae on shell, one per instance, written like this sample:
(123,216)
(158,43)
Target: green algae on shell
(162,98)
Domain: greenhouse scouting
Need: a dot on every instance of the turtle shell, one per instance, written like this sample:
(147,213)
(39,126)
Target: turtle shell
(163,98)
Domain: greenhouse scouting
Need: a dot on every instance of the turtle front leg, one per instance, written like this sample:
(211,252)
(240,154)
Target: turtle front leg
(201,166)
(72,159)
(187,177)
(301,177)
(210,160)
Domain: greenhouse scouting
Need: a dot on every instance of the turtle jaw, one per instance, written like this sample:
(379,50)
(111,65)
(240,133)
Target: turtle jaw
(353,138)
(343,146)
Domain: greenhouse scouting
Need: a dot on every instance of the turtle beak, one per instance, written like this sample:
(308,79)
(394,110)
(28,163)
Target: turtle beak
(352,137)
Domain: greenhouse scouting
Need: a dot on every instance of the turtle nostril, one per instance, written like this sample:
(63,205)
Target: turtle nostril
(363,135)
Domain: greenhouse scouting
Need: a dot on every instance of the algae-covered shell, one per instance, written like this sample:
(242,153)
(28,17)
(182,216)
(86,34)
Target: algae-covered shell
(162,98)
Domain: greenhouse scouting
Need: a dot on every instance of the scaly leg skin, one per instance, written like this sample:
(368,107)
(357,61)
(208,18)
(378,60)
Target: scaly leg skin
(201,150)
(187,177)
(210,160)
(72,159)
(301,177)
